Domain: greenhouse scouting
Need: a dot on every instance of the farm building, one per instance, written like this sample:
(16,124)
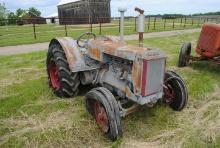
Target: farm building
(84,11)
(53,18)
(30,18)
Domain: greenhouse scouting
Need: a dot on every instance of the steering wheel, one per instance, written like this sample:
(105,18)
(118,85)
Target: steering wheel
(84,38)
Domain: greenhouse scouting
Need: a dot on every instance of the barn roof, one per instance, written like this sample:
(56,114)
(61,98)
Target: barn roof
(62,2)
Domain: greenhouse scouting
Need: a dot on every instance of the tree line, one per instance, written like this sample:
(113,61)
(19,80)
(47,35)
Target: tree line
(11,17)
(206,14)
(174,16)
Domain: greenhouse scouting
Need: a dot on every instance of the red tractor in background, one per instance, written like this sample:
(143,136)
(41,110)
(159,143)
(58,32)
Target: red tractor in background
(208,46)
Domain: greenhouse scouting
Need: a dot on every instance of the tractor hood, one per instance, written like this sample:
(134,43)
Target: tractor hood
(99,47)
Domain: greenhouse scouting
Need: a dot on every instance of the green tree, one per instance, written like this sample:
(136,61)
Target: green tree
(208,13)
(19,12)
(2,11)
(3,14)
(12,18)
(34,11)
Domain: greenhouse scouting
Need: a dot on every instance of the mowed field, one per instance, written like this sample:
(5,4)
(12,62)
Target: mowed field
(31,116)
(16,35)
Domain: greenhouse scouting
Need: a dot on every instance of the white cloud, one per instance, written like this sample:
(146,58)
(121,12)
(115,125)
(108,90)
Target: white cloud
(167,6)
(150,6)
(45,6)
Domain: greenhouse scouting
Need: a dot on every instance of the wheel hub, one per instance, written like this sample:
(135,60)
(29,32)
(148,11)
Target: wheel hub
(101,116)
(54,76)
(168,94)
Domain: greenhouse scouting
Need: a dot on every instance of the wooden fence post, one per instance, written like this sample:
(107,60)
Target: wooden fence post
(91,27)
(100,28)
(173,23)
(164,25)
(185,22)
(135,24)
(148,23)
(35,36)
(181,21)
(66,30)
(198,21)
(119,25)
(155,22)
(192,21)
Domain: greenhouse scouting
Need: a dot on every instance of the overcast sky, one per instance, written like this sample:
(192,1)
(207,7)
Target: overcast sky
(48,7)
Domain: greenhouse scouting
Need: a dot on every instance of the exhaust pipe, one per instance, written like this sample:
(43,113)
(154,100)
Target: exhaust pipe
(122,11)
(141,21)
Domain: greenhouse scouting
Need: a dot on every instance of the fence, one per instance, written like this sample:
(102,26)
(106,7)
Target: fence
(32,30)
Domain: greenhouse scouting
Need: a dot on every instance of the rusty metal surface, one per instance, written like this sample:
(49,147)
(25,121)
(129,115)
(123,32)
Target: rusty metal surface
(122,50)
(72,52)
(139,10)
(95,53)
(141,39)
(131,109)
(137,76)
(209,41)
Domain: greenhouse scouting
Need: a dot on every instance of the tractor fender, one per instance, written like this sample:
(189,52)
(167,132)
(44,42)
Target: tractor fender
(73,54)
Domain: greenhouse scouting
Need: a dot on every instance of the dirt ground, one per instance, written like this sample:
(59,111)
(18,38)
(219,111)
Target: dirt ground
(19,49)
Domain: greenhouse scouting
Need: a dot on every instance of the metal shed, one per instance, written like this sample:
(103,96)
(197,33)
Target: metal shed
(84,11)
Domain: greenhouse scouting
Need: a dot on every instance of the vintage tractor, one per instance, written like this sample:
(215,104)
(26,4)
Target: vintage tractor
(124,77)
(208,46)
(123,73)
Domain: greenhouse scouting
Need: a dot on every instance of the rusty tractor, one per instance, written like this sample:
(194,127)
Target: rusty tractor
(208,47)
(123,76)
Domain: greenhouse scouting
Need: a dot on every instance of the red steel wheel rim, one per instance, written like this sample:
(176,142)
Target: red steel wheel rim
(168,94)
(54,77)
(101,116)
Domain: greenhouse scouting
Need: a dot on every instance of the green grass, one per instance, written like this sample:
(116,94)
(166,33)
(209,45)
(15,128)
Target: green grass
(31,116)
(16,35)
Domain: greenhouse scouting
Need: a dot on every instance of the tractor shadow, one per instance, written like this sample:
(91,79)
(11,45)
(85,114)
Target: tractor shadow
(84,89)
(146,122)
(206,66)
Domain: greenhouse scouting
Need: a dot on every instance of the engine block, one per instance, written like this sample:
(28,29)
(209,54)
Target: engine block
(128,71)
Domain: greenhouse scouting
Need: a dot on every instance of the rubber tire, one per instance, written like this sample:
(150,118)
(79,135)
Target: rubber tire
(68,82)
(184,52)
(106,98)
(180,91)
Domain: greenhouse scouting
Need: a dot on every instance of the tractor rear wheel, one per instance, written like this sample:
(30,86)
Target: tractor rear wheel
(175,91)
(102,105)
(184,54)
(61,80)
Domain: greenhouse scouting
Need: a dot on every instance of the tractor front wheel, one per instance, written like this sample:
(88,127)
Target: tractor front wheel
(61,80)
(184,55)
(175,91)
(102,105)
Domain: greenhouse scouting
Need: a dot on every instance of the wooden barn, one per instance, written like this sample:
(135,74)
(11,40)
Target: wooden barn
(30,18)
(84,11)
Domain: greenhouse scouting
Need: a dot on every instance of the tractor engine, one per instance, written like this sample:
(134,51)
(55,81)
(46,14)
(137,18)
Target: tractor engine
(117,76)
(127,71)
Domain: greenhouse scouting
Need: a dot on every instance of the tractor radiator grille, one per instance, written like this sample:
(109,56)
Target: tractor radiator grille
(152,76)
